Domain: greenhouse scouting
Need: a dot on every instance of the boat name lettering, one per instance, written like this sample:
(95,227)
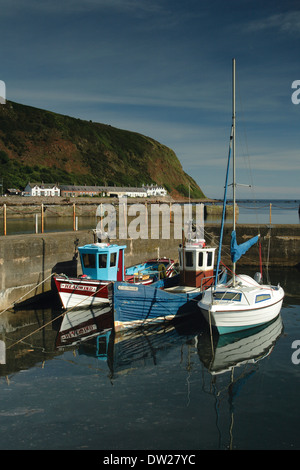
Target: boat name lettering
(75,333)
(79,287)
(133,288)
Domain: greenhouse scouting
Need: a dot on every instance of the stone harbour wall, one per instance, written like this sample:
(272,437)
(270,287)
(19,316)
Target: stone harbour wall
(28,261)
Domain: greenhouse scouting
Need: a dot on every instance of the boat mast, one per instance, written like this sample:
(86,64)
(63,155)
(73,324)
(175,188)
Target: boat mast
(233,156)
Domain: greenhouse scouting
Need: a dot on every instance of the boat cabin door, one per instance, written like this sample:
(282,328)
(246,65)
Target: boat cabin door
(121,266)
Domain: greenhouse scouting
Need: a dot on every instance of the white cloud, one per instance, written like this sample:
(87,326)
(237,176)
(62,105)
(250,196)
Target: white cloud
(288,22)
(276,160)
(100,90)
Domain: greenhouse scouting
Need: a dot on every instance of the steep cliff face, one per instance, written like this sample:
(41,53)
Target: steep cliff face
(39,145)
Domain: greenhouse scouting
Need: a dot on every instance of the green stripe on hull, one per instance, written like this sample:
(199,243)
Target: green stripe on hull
(223,330)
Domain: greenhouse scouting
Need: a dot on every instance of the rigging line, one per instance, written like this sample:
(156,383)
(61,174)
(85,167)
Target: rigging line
(226,248)
(254,285)
(246,152)
(212,238)
(226,251)
(268,257)
(247,156)
(35,331)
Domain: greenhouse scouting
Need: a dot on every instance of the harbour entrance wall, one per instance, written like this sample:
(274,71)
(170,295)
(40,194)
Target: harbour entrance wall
(28,261)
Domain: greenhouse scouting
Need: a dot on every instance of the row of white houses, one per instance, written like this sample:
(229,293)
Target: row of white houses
(41,189)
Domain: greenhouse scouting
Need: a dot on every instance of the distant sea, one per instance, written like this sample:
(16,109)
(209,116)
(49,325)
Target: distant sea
(283,211)
(264,211)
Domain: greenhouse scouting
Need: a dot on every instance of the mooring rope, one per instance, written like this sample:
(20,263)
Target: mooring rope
(56,318)
(16,301)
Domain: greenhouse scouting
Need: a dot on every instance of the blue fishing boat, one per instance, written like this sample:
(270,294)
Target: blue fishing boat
(164,300)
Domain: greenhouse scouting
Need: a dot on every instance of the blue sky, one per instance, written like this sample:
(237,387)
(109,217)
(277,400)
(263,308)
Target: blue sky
(163,68)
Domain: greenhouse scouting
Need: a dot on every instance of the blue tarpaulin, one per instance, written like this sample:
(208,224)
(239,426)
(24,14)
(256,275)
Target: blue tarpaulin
(238,250)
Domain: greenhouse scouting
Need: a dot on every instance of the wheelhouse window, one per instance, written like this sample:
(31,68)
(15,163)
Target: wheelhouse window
(200,259)
(209,259)
(89,260)
(189,259)
(102,260)
(113,260)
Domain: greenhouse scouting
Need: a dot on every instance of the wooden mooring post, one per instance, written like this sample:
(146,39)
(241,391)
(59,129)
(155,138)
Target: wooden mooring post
(4,219)
(74,217)
(42,218)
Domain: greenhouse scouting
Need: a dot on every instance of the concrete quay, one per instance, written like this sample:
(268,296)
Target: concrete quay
(28,261)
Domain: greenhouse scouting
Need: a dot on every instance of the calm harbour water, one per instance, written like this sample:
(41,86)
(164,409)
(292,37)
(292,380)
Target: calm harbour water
(157,389)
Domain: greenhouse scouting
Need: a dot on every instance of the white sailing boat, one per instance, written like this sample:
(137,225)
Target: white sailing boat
(243,302)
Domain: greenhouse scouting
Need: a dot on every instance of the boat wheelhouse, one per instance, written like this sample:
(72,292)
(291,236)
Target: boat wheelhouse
(196,264)
(103,261)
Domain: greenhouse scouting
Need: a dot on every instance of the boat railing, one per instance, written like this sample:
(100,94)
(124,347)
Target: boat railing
(223,273)
(213,277)
(205,280)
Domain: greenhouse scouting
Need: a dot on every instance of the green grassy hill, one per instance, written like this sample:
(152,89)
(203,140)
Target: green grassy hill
(38,145)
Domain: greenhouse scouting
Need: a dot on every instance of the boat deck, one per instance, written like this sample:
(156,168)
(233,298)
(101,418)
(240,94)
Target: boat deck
(181,289)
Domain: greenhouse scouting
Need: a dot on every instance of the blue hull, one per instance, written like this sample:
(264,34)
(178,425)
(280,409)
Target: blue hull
(136,305)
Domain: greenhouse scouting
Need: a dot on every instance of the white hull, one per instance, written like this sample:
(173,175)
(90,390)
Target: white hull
(79,293)
(76,300)
(230,316)
(230,321)
(78,317)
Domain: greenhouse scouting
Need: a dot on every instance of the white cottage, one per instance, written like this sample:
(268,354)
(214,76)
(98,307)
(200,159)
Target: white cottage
(42,189)
(155,190)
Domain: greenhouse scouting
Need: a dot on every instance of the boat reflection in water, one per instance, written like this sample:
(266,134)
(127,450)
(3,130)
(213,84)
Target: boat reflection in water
(226,362)
(230,361)
(82,325)
(128,349)
(91,330)
(220,354)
